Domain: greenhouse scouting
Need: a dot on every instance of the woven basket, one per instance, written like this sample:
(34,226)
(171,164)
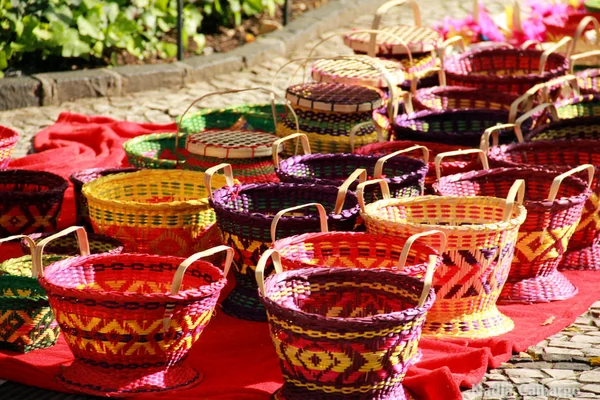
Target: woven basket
(589,81)
(68,245)
(554,205)
(30,201)
(505,70)
(162,212)
(164,150)
(584,247)
(335,117)
(28,322)
(481,233)
(79,179)
(131,319)
(245,213)
(578,127)
(577,25)
(8,141)
(327,337)
(404,175)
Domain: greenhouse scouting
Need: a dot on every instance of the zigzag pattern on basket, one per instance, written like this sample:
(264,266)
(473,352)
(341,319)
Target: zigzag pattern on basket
(36,328)
(542,246)
(21,217)
(247,253)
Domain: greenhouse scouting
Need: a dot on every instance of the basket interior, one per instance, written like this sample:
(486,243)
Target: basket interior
(328,297)
(21,266)
(584,128)
(460,121)
(452,98)
(157,147)
(506,63)
(250,117)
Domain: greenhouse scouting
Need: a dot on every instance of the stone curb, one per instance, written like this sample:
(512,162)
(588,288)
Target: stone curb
(57,87)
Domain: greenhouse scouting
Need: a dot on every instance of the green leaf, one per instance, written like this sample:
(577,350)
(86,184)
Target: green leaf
(163,25)
(3,60)
(149,20)
(167,50)
(98,49)
(162,5)
(86,28)
(112,11)
(200,40)
(42,34)
(60,13)
(17,24)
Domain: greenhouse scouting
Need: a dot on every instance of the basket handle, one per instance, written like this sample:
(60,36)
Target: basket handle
(550,50)
(378,172)
(441,156)
(415,79)
(515,196)
(570,79)
(322,218)
(180,272)
(259,272)
(381,11)
(558,180)
(208,174)
(431,262)
(528,114)
(303,139)
(37,269)
(579,32)
(581,56)
(30,243)
(385,190)
(526,99)
(361,175)
(450,43)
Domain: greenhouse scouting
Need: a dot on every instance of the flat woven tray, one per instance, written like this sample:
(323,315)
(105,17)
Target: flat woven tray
(419,39)
(355,72)
(231,143)
(334,97)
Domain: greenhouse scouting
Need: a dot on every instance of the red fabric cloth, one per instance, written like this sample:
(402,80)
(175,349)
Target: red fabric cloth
(237,357)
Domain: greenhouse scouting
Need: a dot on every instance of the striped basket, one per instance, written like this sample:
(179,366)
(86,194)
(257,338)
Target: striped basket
(245,214)
(134,320)
(8,141)
(481,234)
(404,175)
(29,322)
(337,320)
(162,212)
(554,205)
(579,127)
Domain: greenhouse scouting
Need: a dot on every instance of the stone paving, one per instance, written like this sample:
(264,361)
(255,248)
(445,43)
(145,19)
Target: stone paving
(566,365)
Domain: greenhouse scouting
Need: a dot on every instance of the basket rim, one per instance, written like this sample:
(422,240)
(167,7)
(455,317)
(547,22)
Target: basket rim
(56,185)
(53,288)
(387,318)
(359,41)
(371,212)
(8,136)
(562,123)
(452,180)
(184,129)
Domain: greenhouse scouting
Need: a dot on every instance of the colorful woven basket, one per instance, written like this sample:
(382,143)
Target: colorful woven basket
(329,324)
(245,213)
(8,141)
(334,116)
(504,69)
(30,201)
(481,234)
(164,150)
(79,179)
(404,175)
(358,70)
(155,211)
(584,247)
(68,245)
(26,319)
(131,319)
(571,128)
(554,205)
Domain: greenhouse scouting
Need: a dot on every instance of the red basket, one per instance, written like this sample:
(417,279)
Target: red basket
(8,141)
(544,236)
(130,319)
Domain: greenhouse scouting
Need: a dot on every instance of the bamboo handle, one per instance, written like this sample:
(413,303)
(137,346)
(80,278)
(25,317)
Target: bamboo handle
(411,240)
(561,80)
(260,268)
(361,175)
(381,11)
(528,114)
(37,269)
(441,156)
(208,174)
(484,144)
(378,172)
(30,243)
(517,191)
(322,218)
(278,142)
(558,180)
(581,56)
(579,32)
(385,190)
(547,52)
(447,43)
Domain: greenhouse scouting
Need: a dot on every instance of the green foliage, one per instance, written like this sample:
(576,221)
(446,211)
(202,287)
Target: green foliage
(101,28)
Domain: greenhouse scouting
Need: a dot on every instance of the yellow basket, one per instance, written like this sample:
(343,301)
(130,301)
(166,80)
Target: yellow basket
(163,212)
(481,234)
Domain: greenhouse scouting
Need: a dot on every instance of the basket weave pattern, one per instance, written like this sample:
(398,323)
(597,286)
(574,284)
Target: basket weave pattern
(8,141)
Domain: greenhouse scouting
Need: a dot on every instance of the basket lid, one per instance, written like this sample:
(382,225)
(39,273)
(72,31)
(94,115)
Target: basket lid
(353,71)
(231,143)
(335,97)
(419,39)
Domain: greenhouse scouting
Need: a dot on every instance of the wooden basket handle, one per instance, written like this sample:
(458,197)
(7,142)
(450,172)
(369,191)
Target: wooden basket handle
(37,269)
(516,17)
(180,272)
(381,11)
(515,197)
(581,56)
(30,243)
(570,79)
(385,190)
(378,172)
(441,156)
(558,180)
(493,131)
(208,174)
(579,32)
(322,218)
(528,114)
(526,99)
(361,175)
(259,272)
(303,139)
(443,48)
(550,50)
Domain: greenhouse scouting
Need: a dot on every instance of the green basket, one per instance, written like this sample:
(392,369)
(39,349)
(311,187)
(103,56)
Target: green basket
(26,319)
(162,150)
